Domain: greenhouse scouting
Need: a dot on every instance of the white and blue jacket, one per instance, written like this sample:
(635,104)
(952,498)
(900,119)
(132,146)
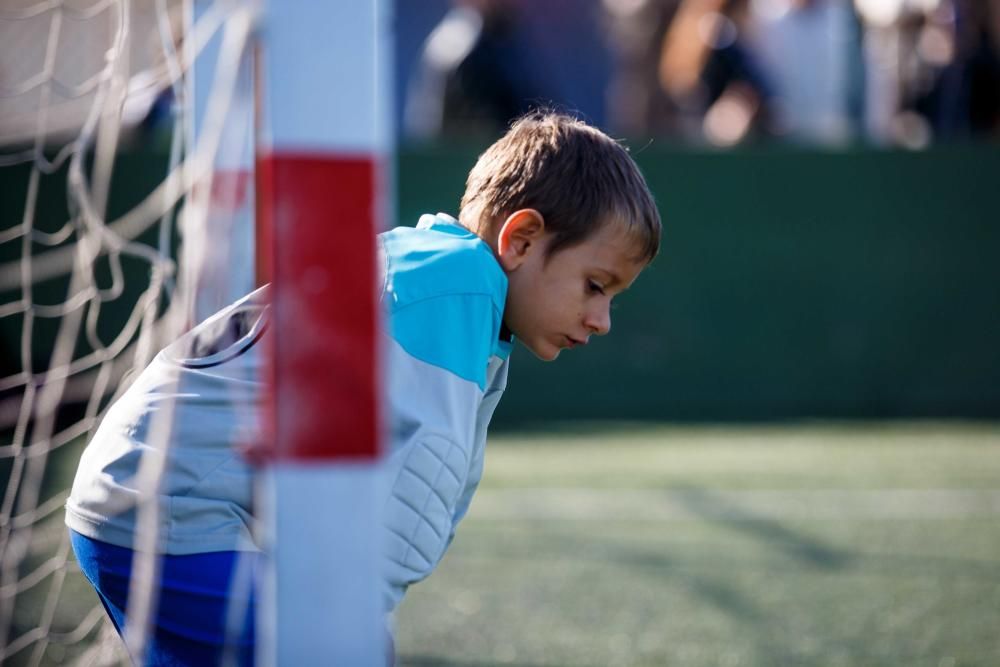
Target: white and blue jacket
(443,295)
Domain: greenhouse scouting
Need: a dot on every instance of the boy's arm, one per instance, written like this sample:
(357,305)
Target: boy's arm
(436,358)
(485,413)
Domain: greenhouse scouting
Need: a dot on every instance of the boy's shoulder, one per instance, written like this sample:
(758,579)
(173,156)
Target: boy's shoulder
(439,258)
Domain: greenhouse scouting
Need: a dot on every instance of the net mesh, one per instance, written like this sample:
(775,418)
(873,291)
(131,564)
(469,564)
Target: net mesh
(106,190)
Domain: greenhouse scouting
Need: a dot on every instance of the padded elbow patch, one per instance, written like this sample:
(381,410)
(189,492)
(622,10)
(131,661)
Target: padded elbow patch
(420,510)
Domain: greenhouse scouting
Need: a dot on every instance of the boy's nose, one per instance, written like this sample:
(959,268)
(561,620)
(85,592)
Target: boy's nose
(599,321)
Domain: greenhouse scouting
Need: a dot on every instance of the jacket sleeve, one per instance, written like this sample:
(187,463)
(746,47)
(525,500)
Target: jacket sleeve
(436,357)
(485,413)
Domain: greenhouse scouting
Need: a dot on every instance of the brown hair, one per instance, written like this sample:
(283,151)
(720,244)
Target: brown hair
(576,176)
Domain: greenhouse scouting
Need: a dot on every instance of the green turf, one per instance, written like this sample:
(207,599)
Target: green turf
(553,568)
(725,587)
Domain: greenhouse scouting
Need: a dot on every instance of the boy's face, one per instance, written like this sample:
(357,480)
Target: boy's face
(559,302)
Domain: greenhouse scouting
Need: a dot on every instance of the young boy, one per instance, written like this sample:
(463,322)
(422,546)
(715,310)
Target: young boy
(556,221)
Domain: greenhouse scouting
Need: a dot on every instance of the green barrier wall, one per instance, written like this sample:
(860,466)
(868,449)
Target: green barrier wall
(790,284)
(135,176)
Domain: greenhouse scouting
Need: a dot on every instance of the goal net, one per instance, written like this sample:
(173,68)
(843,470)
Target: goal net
(125,131)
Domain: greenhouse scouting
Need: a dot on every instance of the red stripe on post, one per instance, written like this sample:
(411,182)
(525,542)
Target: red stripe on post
(324,366)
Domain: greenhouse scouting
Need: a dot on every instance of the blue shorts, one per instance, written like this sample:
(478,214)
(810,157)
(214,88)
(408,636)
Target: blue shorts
(191,615)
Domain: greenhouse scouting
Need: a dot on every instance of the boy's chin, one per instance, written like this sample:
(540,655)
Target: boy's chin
(545,351)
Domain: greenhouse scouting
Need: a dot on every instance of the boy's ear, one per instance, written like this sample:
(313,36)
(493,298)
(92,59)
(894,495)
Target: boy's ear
(520,235)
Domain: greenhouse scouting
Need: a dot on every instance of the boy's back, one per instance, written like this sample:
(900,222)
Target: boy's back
(443,294)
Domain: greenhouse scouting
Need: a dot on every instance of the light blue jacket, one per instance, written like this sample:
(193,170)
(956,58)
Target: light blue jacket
(443,294)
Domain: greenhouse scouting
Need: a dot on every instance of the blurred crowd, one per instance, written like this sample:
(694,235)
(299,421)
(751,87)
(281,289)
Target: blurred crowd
(818,72)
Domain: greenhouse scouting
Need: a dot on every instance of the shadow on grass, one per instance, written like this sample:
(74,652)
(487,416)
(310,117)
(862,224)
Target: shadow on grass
(767,638)
(770,645)
(713,508)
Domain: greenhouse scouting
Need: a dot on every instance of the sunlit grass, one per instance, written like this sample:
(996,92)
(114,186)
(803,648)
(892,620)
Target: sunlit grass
(722,588)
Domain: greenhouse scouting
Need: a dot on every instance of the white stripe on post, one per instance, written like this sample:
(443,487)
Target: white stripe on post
(322,594)
(331,50)
(319,192)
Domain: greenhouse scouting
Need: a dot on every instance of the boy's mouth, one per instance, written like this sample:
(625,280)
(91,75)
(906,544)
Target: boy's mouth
(574,342)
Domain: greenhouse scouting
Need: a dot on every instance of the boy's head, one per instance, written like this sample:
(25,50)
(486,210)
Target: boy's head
(571,221)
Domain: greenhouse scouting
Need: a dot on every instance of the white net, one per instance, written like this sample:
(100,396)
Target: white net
(106,190)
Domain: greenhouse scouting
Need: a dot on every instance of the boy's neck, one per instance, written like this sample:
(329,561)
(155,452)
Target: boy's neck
(483,231)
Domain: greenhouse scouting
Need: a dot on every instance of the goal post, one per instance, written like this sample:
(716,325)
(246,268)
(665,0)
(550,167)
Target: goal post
(321,200)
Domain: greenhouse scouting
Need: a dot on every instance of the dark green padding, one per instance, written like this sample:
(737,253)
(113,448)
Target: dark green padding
(790,284)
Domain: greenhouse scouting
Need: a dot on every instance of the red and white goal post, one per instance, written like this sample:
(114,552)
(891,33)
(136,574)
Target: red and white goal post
(321,192)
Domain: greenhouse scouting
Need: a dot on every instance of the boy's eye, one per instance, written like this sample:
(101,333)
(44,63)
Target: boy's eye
(595,287)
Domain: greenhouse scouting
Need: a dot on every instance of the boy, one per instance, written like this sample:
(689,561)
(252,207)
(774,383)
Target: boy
(556,220)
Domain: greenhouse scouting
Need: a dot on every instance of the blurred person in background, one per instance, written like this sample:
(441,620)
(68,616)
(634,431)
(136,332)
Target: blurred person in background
(974,75)
(933,69)
(708,68)
(724,71)
(472,78)
(637,104)
(684,67)
(810,53)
